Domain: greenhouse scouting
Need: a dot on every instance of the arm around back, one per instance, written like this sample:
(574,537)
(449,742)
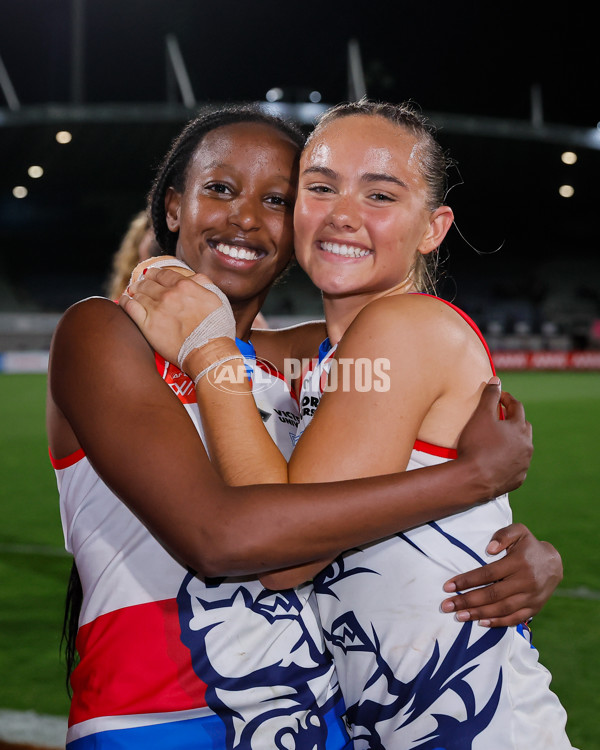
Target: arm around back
(106,396)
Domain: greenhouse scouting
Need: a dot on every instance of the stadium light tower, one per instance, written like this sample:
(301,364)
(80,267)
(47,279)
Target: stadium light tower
(177,73)
(8,89)
(537,106)
(357,87)
(77,51)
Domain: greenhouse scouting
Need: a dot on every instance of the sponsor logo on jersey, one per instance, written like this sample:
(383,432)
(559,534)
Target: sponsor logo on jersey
(287,417)
(181,385)
(308,406)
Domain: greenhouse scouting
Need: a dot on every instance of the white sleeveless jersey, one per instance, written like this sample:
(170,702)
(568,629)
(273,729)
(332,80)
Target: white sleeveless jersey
(173,661)
(412,676)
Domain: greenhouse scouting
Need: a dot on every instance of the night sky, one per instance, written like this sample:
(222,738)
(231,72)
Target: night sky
(464,58)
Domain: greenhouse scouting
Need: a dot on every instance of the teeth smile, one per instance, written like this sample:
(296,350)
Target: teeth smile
(347,251)
(234,251)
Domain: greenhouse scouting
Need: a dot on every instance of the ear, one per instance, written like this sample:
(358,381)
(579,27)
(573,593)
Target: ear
(440,222)
(172,209)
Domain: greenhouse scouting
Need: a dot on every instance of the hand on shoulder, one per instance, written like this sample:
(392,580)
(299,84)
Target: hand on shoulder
(161,261)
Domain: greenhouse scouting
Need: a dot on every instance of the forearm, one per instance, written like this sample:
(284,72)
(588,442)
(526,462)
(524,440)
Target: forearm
(142,443)
(240,447)
(297,524)
(349,513)
(287,578)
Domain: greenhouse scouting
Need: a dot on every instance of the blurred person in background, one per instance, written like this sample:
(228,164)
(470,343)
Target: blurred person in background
(138,244)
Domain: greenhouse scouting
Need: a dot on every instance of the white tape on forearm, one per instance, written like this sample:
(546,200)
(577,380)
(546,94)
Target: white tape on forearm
(220,323)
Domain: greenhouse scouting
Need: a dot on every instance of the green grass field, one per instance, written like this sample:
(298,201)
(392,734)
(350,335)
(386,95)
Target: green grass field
(557,502)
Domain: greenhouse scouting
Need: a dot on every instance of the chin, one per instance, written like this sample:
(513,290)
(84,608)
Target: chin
(239,290)
(331,289)
(339,283)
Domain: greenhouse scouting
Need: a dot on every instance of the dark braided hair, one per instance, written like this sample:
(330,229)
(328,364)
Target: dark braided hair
(433,161)
(73,602)
(172,171)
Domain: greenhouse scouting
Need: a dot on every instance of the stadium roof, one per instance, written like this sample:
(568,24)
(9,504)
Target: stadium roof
(510,88)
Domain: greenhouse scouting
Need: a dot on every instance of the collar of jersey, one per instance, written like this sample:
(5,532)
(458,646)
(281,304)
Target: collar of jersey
(248,352)
(324,349)
(246,348)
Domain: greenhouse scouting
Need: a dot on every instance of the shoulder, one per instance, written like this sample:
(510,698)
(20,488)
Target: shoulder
(100,369)
(422,323)
(89,318)
(87,312)
(94,334)
(401,313)
(419,306)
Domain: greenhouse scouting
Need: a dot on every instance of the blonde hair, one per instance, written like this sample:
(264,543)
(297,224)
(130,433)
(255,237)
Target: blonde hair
(127,256)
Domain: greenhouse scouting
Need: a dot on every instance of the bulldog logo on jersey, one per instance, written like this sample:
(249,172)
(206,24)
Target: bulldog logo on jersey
(231,626)
(415,710)
(411,705)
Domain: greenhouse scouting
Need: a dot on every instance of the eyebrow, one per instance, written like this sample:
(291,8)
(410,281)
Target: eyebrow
(383,177)
(291,179)
(367,177)
(325,171)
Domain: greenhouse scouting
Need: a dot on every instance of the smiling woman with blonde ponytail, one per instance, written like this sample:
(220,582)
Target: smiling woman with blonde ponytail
(369,211)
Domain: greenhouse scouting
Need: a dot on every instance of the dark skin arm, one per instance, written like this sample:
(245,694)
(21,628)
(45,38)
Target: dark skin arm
(106,396)
(524,579)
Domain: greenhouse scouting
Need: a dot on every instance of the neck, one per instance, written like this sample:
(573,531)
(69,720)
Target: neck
(244,312)
(341,310)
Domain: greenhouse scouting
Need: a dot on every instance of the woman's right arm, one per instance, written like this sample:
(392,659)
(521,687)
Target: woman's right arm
(106,396)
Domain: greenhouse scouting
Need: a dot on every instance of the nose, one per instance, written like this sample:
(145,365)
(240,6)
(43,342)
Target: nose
(245,213)
(344,213)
